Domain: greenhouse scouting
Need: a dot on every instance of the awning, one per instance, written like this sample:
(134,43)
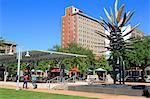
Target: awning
(39,71)
(37,55)
(25,70)
(74,70)
(100,70)
(55,70)
(89,70)
(33,70)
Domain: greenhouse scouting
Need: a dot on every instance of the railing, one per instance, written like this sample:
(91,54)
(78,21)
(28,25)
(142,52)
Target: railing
(63,80)
(71,78)
(81,79)
(49,81)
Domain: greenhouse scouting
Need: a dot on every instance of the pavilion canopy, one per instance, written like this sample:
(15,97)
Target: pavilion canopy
(55,70)
(100,70)
(37,55)
(74,70)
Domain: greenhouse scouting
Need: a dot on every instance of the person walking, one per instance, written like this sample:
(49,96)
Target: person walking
(25,83)
(33,77)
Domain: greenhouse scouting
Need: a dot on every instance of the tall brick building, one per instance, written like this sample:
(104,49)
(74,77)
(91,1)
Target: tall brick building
(80,28)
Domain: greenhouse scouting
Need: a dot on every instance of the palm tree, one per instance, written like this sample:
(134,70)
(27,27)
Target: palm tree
(116,35)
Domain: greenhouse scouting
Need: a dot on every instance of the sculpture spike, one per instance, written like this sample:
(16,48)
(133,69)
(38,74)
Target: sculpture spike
(112,27)
(120,13)
(101,18)
(107,14)
(116,9)
(120,22)
(124,19)
(131,30)
(111,15)
(128,13)
(129,17)
(126,28)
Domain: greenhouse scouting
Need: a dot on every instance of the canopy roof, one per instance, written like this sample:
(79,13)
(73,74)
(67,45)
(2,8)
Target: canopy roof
(74,70)
(147,68)
(33,70)
(100,70)
(55,70)
(36,55)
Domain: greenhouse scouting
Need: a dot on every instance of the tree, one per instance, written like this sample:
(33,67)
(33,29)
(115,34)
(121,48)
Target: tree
(102,63)
(43,65)
(1,41)
(140,54)
(82,63)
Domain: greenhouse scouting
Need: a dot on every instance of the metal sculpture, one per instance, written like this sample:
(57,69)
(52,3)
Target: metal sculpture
(117,43)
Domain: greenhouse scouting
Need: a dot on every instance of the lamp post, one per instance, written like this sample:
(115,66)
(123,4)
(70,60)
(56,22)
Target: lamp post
(19,57)
(18,71)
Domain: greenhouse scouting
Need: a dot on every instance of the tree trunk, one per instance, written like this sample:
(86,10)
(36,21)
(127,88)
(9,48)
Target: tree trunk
(143,73)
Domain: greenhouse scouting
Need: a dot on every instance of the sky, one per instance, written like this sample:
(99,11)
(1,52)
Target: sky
(36,24)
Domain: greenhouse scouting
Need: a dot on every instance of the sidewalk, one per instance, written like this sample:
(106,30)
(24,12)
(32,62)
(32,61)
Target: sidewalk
(12,85)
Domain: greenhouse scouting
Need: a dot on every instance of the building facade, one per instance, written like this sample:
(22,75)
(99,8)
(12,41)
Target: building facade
(8,47)
(137,33)
(80,28)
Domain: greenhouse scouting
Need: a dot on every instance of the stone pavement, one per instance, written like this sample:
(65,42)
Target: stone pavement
(43,88)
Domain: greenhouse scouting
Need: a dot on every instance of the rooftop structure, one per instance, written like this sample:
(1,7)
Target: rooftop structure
(8,47)
(37,55)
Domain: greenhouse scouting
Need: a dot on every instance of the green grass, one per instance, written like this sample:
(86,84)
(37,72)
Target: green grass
(22,94)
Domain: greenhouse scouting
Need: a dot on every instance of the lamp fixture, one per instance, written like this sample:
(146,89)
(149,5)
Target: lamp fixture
(27,54)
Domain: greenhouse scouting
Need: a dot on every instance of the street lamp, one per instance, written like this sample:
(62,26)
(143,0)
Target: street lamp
(19,57)
(27,54)
(18,71)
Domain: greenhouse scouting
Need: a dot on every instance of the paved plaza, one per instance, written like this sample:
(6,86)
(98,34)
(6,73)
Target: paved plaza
(42,87)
